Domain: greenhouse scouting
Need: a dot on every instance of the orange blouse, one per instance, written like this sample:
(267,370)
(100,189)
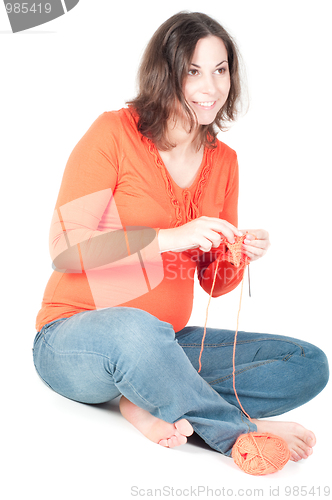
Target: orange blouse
(116,193)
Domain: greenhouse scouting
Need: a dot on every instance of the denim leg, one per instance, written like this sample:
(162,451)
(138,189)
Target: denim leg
(95,356)
(273,375)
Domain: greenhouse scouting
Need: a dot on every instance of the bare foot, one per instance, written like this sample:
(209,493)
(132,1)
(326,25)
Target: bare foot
(155,429)
(300,441)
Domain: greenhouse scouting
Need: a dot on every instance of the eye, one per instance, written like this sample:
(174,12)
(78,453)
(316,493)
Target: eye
(193,72)
(221,71)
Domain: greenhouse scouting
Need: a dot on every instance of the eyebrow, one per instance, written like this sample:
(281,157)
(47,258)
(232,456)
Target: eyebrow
(196,65)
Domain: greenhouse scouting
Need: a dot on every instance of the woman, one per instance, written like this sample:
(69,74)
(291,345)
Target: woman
(148,196)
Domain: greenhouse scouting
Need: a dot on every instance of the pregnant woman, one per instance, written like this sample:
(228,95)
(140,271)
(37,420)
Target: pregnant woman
(148,197)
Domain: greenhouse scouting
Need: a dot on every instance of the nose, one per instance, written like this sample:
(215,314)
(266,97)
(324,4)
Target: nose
(208,85)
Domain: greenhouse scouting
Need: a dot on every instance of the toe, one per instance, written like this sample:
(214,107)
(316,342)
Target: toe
(304,435)
(182,439)
(302,453)
(308,452)
(184,427)
(172,441)
(176,441)
(311,439)
(177,433)
(164,442)
(295,457)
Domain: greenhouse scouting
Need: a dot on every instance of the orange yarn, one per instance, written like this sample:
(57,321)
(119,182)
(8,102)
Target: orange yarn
(259,454)
(235,256)
(255,453)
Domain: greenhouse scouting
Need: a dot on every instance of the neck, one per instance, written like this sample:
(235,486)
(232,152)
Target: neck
(184,141)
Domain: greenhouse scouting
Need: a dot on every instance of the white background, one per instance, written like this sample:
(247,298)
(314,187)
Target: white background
(55,80)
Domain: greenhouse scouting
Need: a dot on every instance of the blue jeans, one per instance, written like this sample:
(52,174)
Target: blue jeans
(95,356)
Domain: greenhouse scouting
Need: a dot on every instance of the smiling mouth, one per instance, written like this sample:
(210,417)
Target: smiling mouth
(207,105)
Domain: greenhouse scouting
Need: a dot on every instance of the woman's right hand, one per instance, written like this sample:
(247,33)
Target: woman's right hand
(203,233)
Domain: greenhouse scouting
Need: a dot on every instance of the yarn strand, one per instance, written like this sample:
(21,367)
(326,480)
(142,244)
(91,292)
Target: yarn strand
(206,317)
(255,453)
(234,348)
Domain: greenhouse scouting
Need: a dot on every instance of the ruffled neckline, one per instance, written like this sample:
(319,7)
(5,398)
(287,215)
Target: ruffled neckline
(191,195)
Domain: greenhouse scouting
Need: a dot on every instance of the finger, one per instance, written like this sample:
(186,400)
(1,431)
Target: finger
(214,237)
(234,229)
(253,253)
(216,242)
(205,248)
(250,237)
(210,239)
(251,244)
(255,250)
(205,244)
(259,234)
(217,233)
(224,227)
(229,232)
(251,256)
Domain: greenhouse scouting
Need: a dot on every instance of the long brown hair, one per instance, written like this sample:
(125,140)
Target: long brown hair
(164,66)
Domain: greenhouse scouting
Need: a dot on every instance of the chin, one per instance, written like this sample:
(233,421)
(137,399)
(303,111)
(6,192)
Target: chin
(205,121)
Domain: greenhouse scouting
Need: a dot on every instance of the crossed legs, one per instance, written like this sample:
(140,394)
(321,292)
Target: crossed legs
(98,355)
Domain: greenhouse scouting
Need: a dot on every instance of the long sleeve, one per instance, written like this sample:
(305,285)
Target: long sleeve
(80,238)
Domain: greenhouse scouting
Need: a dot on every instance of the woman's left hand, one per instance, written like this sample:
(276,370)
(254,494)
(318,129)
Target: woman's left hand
(255,248)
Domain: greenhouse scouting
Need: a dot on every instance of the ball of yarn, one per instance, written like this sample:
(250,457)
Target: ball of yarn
(260,453)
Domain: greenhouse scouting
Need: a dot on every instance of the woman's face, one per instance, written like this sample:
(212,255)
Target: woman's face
(208,82)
